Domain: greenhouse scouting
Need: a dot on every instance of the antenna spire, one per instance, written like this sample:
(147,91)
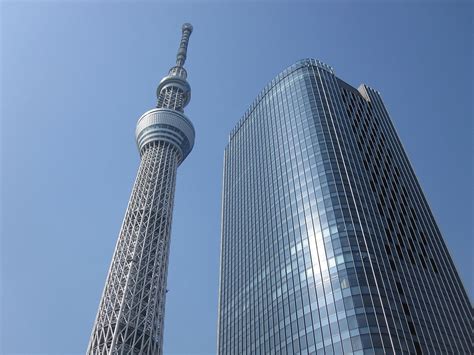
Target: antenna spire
(187,29)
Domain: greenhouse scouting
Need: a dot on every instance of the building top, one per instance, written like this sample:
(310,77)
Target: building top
(308,62)
(288,71)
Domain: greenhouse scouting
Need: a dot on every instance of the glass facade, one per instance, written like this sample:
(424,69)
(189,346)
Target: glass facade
(328,243)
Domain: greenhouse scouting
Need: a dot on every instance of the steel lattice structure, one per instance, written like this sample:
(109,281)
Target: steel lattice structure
(131,311)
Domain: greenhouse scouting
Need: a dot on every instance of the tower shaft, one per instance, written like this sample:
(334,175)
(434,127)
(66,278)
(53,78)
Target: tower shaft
(130,318)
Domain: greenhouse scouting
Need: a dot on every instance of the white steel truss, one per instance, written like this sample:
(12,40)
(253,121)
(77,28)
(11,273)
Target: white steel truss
(130,318)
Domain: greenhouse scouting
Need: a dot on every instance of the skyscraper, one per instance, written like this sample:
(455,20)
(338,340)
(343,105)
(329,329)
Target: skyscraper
(131,311)
(328,243)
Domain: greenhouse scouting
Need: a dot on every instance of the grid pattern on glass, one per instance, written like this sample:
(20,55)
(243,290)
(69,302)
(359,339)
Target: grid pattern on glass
(328,244)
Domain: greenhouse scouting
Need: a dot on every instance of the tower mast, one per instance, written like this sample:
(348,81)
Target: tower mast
(131,311)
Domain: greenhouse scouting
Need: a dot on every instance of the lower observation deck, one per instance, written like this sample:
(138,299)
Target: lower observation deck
(161,124)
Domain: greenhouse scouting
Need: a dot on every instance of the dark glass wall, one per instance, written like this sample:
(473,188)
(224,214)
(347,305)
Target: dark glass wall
(328,244)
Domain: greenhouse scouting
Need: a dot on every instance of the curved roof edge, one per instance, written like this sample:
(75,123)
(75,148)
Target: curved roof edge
(283,74)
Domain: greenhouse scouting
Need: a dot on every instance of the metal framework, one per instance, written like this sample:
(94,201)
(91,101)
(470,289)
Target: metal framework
(131,312)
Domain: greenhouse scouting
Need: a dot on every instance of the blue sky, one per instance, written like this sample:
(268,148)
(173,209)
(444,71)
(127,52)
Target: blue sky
(76,76)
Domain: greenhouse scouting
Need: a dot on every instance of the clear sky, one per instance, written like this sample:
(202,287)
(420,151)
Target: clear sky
(76,76)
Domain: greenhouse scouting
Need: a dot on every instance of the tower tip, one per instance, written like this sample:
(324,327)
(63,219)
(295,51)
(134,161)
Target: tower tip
(187,29)
(187,26)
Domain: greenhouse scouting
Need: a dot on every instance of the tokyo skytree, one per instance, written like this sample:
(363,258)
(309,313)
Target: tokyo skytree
(131,311)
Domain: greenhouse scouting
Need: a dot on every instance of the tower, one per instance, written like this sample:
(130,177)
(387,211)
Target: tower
(131,311)
(328,243)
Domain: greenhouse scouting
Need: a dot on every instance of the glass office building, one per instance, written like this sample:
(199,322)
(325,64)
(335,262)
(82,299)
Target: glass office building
(328,243)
